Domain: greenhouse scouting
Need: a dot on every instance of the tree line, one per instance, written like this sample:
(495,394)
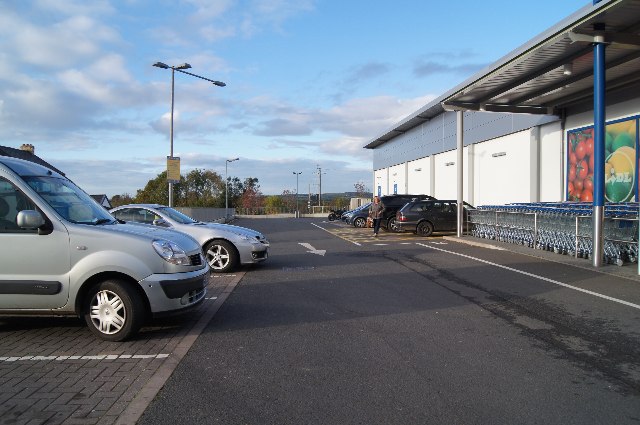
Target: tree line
(206,188)
(198,188)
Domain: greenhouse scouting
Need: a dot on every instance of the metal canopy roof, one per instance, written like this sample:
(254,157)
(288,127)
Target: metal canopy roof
(550,72)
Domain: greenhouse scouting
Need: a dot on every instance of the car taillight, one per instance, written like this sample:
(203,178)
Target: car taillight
(400,217)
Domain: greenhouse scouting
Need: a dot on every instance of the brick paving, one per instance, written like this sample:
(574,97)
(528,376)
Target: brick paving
(54,371)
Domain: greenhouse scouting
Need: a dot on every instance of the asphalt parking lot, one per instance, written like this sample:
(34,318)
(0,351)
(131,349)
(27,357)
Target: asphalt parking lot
(54,371)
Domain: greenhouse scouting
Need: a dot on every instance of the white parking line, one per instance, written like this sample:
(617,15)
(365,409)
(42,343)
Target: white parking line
(320,227)
(98,357)
(555,282)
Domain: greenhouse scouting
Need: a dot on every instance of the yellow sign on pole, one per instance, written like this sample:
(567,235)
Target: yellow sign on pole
(173,169)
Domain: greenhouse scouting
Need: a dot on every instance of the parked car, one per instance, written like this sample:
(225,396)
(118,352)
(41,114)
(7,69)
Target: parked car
(392,203)
(357,214)
(64,254)
(225,246)
(424,217)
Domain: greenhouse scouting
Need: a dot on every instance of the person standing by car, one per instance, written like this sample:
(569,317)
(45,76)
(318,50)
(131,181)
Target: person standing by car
(376,212)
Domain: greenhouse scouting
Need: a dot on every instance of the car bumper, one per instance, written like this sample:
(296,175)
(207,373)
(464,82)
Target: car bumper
(172,293)
(253,253)
(406,226)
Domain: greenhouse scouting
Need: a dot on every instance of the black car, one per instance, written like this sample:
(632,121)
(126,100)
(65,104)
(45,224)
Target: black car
(392,203)
(427,216)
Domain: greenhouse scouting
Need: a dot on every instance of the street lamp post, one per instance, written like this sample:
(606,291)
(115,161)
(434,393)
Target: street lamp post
(297,209)
(179,68)
(226,187)
(320,173)
(320,189)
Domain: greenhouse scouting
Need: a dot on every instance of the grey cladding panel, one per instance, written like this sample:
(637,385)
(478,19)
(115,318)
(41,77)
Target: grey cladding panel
(439,135)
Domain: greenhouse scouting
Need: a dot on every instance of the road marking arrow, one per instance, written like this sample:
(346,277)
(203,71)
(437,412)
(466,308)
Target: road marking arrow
(312,250)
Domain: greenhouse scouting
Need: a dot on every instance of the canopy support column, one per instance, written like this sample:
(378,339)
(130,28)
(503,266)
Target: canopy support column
(460,137)
(599,108)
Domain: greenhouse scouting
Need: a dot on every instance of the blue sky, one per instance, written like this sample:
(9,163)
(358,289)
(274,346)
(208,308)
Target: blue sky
(309,82)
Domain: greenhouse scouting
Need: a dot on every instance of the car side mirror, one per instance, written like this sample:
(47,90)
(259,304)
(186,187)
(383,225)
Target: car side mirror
(30,219)
(160,222)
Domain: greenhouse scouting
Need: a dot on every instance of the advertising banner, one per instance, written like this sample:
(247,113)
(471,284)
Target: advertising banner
(621,162)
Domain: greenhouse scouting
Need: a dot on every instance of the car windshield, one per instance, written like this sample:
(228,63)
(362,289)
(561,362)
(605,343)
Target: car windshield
(177,216)
(71,202)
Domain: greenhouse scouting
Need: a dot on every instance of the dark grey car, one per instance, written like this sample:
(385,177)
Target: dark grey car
(424,217)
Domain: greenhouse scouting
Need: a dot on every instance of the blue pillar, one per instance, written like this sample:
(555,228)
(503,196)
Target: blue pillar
(599,108)
(460,171)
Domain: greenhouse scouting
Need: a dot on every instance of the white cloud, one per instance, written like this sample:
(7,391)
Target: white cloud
(207,10)
(58,45)
(83,85)
(356,118)
(110,67)
(278,11)
(75,7)
(213,33)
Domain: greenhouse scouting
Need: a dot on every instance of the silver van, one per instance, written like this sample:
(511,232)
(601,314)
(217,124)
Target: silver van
(63,253)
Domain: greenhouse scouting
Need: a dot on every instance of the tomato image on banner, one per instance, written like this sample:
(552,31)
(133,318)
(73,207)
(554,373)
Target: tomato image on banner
(620,163)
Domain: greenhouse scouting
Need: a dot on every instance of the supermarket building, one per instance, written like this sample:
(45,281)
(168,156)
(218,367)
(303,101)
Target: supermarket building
(518,115)
(554,120)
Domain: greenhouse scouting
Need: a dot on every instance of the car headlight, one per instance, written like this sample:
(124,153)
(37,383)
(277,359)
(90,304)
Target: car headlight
(171,252)
(249,239)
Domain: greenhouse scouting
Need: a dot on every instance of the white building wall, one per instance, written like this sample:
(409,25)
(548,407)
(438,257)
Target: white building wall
(381,181)
(551,163)
(446,175)
(397,179)
(419,176)
(502,170)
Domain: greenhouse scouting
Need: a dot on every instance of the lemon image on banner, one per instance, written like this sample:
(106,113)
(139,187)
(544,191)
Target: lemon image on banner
(620,174)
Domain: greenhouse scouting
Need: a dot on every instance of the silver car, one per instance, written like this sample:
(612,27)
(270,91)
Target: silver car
(225,246)
(62,253)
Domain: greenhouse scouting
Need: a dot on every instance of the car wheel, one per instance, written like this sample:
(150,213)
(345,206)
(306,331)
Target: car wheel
(113,310)
(392,225)
(424,228)
(221,256)
(360,222)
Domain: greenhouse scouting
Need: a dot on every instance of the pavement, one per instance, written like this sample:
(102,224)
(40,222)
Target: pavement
(54,371)
(628,271)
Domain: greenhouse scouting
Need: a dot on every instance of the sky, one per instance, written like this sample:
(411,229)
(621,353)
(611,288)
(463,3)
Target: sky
(308,82)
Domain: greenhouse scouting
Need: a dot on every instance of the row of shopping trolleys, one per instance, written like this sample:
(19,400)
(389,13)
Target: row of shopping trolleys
(564,228)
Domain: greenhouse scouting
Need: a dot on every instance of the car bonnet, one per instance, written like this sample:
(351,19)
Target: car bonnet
(238,230)
(185,241)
